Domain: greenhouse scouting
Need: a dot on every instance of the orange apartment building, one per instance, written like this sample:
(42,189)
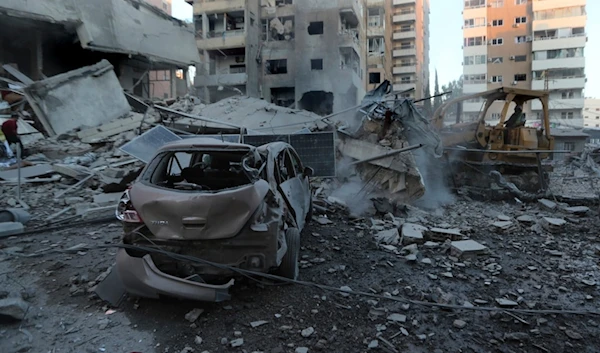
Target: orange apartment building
(529,44)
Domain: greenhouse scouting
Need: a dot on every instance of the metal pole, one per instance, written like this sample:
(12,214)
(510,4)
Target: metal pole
(389,154)
(19,172)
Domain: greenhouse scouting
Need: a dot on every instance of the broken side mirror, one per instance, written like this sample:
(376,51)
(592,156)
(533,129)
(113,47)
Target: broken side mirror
(308,172)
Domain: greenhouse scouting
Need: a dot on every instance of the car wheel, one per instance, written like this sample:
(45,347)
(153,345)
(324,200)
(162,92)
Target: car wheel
(289,264)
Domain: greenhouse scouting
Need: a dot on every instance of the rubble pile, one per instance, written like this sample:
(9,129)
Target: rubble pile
(578,177)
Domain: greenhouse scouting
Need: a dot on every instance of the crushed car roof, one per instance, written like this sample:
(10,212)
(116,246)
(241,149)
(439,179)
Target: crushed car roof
(204,142)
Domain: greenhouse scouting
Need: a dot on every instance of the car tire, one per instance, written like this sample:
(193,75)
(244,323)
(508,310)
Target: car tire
(289,264)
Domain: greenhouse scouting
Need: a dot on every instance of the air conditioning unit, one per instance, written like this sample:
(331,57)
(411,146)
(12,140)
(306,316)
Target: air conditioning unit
(491,81)
(490,60)
(528,38)
(512,58)
(514,83)
(489,24)
(515,25)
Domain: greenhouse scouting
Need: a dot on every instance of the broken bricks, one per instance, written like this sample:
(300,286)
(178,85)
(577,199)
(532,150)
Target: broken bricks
(467,249)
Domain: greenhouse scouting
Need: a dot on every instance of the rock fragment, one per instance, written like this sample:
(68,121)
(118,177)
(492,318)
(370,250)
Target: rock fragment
(193,315)
(13,308)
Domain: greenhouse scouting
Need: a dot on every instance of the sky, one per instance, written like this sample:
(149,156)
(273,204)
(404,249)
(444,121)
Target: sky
(446,39)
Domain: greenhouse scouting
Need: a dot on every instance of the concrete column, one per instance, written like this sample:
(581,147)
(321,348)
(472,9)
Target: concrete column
(37,59)
(205,66)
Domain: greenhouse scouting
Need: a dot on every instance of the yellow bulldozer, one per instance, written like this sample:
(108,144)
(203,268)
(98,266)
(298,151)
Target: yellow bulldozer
(508,151)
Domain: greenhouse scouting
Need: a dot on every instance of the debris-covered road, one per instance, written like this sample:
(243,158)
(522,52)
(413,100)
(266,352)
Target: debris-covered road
(527,268)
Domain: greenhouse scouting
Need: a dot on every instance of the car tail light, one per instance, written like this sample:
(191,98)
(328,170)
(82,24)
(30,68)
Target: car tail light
(125,211)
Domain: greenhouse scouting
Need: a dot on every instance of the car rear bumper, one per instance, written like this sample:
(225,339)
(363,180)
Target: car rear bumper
(141,277)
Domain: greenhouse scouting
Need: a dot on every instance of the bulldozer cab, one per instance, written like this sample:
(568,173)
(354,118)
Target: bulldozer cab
(508,132)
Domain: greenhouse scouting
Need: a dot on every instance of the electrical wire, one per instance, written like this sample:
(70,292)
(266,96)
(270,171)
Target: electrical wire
(251,274)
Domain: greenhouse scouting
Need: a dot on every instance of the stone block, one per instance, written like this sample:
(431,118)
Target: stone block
(413,233)
(467,248)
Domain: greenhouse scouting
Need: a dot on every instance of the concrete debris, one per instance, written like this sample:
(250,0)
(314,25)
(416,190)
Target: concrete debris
(13,308)
(467,248)
(193,315)
(237,342)
(412,233)
(577,210)
(547,204)
(388,237)
(307,332)
(459,324)
(441,234)
(301,350)
(506,303)
(526,219)
(503,225)
(258,323)
(397,318)
(553,225)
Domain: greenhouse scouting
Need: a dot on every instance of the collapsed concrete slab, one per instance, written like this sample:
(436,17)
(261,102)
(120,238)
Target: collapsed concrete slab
(88,96)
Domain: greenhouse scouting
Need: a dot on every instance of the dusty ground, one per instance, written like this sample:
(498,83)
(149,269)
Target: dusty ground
(521,266)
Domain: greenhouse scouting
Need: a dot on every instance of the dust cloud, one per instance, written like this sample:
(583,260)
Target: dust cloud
(434,174)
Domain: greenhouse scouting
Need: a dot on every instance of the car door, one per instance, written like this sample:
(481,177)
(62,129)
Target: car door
(299,168)
(291,186)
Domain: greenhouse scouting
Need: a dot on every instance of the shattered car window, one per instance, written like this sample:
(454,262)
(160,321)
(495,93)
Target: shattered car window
(198,170)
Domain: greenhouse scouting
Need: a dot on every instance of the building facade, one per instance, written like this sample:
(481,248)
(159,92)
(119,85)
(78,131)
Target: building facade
(161,81)
(534,44)
(398,45)
(305,54)
(591,114)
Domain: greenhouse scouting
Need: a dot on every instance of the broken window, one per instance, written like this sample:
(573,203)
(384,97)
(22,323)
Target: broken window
(374,77)
(237,69)
(276,67)
(198,170)
(375,17)
(376,46)
(520,58)
(278,28)
(316,64)
(521,77)
(315,28)
(520,39)
(283,96)
(497,60)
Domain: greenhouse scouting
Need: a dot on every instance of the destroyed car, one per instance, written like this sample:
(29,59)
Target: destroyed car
(227,203)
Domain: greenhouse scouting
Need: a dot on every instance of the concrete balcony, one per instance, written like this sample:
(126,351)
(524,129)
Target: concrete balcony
(404,17)
(555,4)
(279,11)
(562,22)
(402,2)
(474,69)
(473,107)
(474,87)
(349,39)
(373,3)
(559,83)
(224,79)
(405,69)
(562,63)
(375,60)
(378,31)
(404,52)
(553,43)
(404,35)
(225,40)
(404,86)
(218,6)
(573,103)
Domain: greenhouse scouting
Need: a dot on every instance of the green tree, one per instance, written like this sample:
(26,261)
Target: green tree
(437,101)
(427,103)
(456,86)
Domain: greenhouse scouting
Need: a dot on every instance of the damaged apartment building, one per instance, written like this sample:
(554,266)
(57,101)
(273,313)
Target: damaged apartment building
(398,45)
(305,54)
(43,39)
